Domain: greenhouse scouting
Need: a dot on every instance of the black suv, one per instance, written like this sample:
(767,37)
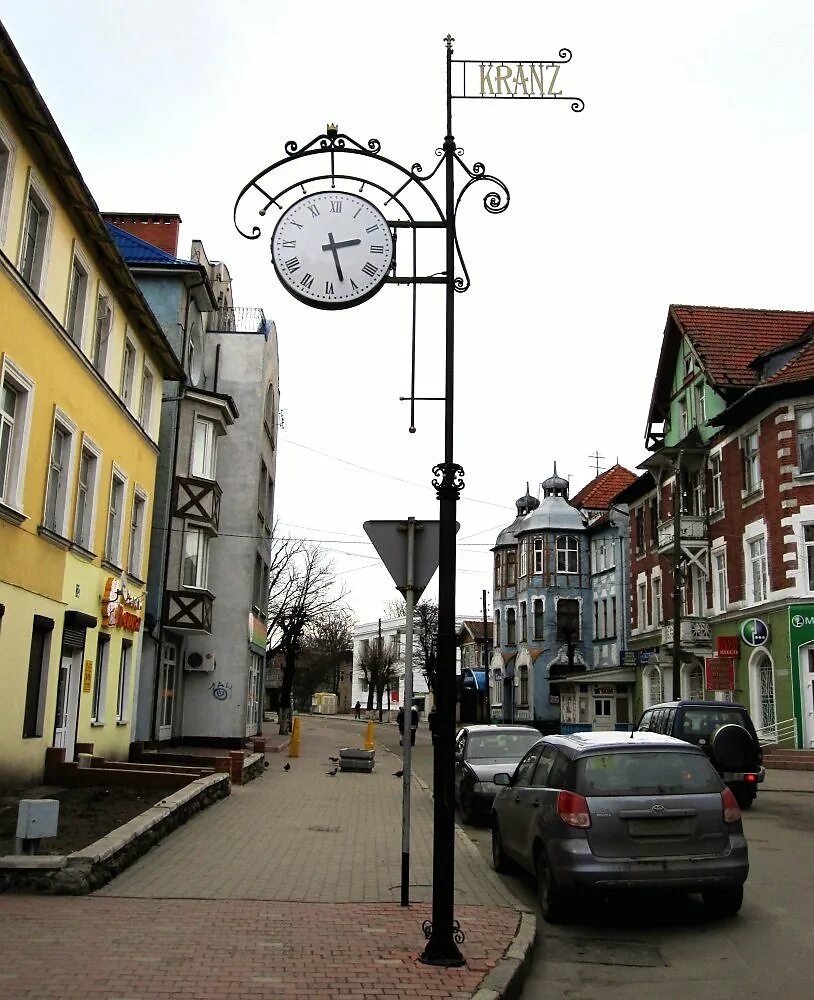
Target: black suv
(723,730)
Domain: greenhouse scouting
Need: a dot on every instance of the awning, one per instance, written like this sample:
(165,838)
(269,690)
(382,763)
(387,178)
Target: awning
(78,619)
(473,679)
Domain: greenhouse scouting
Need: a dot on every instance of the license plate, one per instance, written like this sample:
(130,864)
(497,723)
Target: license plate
(658,827)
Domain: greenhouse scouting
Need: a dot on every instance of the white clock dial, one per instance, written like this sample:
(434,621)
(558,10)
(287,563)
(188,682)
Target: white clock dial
(332,249)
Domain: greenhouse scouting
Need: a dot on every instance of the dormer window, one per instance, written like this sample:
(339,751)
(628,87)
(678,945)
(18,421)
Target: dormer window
(689,364)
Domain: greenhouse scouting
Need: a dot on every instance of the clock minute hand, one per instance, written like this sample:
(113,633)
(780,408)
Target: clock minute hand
(333,247)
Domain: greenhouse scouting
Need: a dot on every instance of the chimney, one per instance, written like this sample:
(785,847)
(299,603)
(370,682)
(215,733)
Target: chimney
(154,228)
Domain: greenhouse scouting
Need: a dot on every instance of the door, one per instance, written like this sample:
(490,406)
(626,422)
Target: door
(522,800)
(808,701)
(604,713)
(460,744)
(166,708)
(67,704)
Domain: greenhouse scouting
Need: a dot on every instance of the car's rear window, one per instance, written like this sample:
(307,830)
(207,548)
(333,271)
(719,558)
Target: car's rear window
(700,723)
(500,744)
(646,772)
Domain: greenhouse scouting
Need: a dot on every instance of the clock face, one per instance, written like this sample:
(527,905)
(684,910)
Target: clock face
(332,249)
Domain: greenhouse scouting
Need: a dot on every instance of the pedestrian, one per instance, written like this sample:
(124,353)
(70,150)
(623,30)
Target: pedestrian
(358,710)
(413,724)
(400,723)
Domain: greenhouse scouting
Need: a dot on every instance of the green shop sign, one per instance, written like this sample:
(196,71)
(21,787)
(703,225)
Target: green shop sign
(801,633)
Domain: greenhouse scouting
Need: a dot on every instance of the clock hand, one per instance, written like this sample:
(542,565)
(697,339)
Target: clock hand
(333,247)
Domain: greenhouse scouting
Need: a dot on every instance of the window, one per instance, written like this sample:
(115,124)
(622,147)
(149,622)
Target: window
(613,614)
(523,622)
(524,557)
(204,449)
(253,695)
(269,502)
(640,530)
(497,687)
(721,593)
(34,239)
(260,587)
(751,462)
(689,364)
(16,398)
(122,688)
(196,558)
(523,673)
(683,419)
(59,471)
(195,355)
(77,301)
(511,638)
(6,174)
(511,568)
(538,555)
(568,627)
(86,496)
(539,607)
(97,703)
(805,440)
(699,591)
(695,683)
(136,553)
(115,515)
(641,606)
(269,413)
(596,619)
(128,373)
(653,686)
(605,632)
(808,534)
(261,491)
(700,404)
(716,483)
(146,404)
(567,554)
(497,571)
(655,587)
(37,682)
(760,572)
(497,628)
(654,522)
(101,332)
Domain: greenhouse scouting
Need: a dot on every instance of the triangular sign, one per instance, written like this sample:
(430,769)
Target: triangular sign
(389,538)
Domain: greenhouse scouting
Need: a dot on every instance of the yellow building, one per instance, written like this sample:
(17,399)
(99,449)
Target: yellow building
(82,361)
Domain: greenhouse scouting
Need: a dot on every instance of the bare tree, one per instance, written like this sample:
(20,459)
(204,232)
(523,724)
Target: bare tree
(302,593)
(333,640)
(378,670)
(425,635)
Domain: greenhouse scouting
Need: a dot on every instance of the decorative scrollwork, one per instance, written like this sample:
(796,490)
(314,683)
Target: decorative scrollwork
(458,935)
(426,927)
(448,476)
(565,55)
(577,104)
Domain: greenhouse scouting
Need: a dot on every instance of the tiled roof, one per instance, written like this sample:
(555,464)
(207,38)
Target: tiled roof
(599,493)
(475,626)
(728,340)
(800,368)
(138,251)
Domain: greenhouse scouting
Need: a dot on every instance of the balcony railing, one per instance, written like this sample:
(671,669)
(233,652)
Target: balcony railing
(693,530)
(694,632)
(188,610)
(238,319)
(198,499)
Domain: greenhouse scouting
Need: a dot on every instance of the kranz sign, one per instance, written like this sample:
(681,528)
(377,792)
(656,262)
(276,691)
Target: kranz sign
(513,78)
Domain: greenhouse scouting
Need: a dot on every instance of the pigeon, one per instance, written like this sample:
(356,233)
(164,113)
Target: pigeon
(332,773)
(266,764)
(397,774)
(286,767)
(334,759)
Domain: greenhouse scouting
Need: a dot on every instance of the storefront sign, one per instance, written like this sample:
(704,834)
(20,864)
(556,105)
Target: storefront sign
(87,677)
(719,674)
(257,631)
(728,645)
(120,607)
(604,689)
(274,677)
(755,632)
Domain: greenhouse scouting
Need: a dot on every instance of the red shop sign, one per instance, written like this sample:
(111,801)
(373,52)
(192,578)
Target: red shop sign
(728,645)
(720,674)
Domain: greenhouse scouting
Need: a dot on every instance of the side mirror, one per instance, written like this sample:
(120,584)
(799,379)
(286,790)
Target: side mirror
(502,778)
(459,757)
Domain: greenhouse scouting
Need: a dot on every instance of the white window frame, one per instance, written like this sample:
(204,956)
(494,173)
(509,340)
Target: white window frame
(42,246)
(99,690)
(76,330)
(716,482)
(808,549)
(59,479)
(641,606)
(138,531)
(6,177)
(538,555)
(757,560)
(752,480)
(113,549)
(524,557)
(148,381)
(524,622)
(656,599)
(700,400)
(11,493)
(201,557)
(683,416)
(210,449)
(83,535)
(720,589)
(808,432)
(127,387)
(689,363)
(100,341)
(535,633)
(123,682)
(567,550)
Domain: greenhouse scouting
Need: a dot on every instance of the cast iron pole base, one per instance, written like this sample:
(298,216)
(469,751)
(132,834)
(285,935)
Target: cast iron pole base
(441,949)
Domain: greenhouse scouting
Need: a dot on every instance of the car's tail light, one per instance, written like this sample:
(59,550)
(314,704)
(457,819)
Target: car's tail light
(750,777)
(732,811)
(573,810)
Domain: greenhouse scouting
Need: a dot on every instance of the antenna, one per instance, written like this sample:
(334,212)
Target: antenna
(596,459)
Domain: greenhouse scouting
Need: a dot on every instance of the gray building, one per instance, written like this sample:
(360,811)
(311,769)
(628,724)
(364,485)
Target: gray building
(201,672)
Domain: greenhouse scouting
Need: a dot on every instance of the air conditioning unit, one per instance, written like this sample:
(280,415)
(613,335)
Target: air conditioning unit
(200,663)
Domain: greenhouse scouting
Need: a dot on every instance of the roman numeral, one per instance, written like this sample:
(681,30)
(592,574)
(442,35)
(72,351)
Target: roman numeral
(307,280)
(375,248)
(336,206)
(289,244)
(358,210)
(297,224)
(313,210)
(293,264)
(329,288)
(371,229)
(369,269)
(354,286)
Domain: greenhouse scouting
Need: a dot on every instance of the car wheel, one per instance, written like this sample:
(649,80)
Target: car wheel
(465,808)
(744,795)
(500,861)
(723,902)
(553,905)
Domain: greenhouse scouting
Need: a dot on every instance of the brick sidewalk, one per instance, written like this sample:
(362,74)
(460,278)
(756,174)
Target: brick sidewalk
(288,889)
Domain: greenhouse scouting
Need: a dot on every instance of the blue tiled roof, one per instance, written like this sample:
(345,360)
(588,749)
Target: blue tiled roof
(138,251)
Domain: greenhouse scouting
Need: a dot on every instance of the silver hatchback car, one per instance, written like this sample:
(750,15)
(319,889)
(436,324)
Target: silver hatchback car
(603,811)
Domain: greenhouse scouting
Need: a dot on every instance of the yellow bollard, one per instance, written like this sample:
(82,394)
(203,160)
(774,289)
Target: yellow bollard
(294,745)
(371,730)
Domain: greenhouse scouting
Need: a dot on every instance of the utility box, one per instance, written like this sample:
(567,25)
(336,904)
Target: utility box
(37,818)
(352,759)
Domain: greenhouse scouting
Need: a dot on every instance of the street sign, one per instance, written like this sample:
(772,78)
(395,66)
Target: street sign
(390,541)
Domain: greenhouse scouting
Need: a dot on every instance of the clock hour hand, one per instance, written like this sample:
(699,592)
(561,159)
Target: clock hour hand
(333,247)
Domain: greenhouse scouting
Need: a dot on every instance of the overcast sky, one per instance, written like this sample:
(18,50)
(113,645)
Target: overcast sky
(687,178)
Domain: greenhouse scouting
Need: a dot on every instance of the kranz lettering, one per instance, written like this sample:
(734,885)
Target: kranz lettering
(519,80)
